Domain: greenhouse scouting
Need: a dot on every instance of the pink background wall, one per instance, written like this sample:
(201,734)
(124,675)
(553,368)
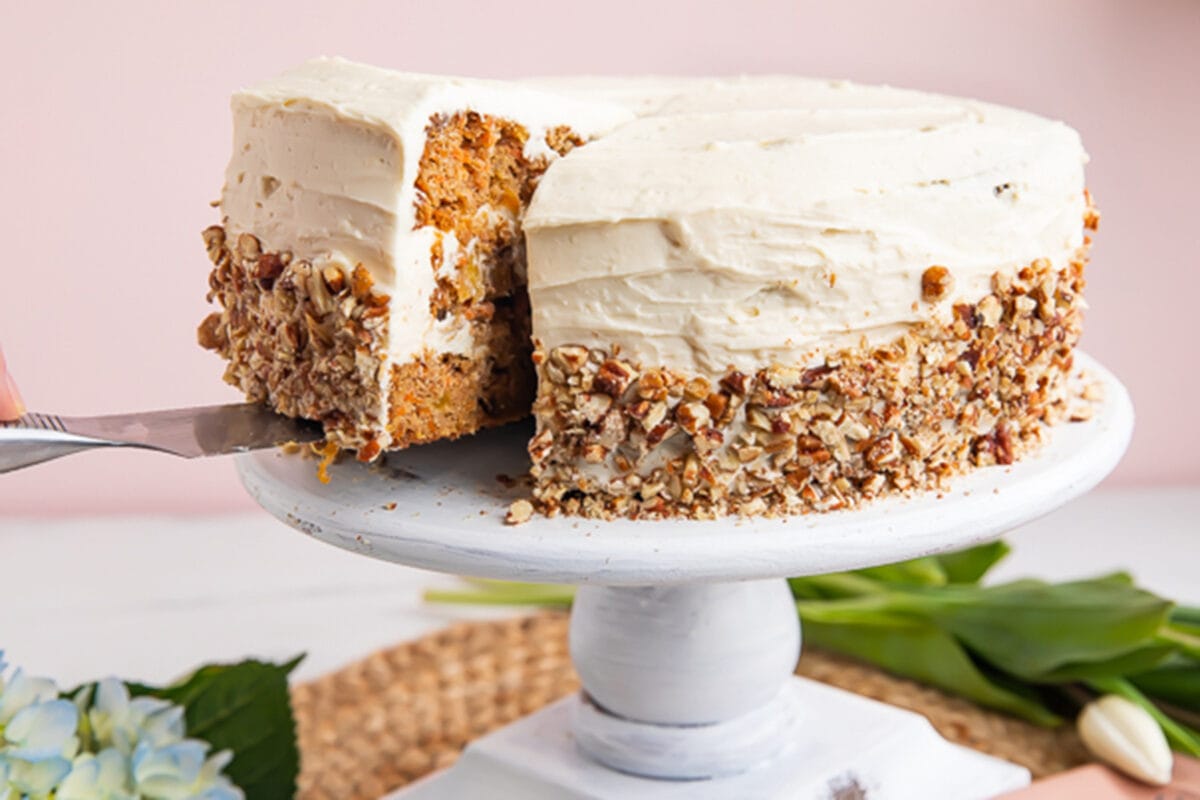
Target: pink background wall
(116,131)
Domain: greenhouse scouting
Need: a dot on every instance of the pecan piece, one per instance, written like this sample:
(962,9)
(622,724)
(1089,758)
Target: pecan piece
(614,377)
(936,283)
(519,512)
(692,417)
(334,279)
(652,385)
(738,383)
(267,268)
(716,403)
(248,247)
(570,358)
(209,334)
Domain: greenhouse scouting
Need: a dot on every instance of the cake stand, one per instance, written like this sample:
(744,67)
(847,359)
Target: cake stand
(684,634)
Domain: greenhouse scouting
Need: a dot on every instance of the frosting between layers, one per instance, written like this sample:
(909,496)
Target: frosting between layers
(719,234)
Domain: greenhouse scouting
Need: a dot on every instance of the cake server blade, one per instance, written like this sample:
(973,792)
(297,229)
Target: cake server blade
(187,432)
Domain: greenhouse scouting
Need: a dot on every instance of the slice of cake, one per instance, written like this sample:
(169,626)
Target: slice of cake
(780,301)
(369,264)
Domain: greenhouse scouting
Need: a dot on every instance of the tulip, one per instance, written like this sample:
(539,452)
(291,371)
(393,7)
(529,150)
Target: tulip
(1124,735)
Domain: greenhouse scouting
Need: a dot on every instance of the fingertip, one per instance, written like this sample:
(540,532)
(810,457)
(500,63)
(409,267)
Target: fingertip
(12,405)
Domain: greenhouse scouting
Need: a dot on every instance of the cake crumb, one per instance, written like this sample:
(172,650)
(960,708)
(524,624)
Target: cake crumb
(328,452)
(519,512)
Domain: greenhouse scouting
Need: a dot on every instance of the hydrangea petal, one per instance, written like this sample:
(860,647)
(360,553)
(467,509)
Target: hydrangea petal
(162,726)
(37,778)
(112,698)
(104,776)
(215,765)
(171,772)
(23,691)
(42,731)
(225,792)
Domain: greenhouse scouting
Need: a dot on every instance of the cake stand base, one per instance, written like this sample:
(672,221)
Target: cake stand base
(850,747)
(684,633)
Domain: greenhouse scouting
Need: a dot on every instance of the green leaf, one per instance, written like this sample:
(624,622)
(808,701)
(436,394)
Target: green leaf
(970,565)
(1176,683)
(1182,738)
(1030,628)
(245,708)
(510,593)
(1188,616)
(1139,659)
(913,649)
(1186,638)
(925,571)
(835,586)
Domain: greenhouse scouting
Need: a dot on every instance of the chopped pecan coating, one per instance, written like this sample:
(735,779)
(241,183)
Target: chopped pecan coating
(937,401)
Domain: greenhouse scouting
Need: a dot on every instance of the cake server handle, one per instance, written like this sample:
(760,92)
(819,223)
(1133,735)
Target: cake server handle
(185,432)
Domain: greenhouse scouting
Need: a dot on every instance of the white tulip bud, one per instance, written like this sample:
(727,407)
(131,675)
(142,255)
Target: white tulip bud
(1122,734)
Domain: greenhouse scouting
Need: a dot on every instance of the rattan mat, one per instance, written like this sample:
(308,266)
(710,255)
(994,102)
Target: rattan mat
(402,712)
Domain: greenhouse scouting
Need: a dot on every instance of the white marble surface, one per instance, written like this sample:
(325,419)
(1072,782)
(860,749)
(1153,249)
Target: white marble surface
(150,597)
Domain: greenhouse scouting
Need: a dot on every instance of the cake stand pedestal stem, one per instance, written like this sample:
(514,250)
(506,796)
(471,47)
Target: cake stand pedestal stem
(685,681)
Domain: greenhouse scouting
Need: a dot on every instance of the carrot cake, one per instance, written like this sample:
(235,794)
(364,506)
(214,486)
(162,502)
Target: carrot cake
(369,263)
(748,296)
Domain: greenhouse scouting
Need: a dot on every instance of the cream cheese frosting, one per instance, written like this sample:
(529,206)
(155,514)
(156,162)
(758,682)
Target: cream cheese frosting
(760,220)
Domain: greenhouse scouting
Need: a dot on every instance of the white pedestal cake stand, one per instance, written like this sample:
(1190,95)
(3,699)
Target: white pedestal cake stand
(684,633)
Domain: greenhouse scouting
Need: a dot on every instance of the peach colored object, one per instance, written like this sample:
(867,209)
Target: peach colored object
(119,132)
(1097,782)
(11,405)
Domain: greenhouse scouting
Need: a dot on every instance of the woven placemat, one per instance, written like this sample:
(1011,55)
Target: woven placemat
(403,712)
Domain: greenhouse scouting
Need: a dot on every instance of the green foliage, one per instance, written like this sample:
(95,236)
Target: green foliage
(245,708)
(1027,647)
(970,565)
(916,649)
(1030,628)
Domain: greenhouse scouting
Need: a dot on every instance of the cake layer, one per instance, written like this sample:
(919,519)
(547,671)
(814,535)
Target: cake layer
(717,234)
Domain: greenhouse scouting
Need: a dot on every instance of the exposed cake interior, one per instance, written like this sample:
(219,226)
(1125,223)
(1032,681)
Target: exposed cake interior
(475,180)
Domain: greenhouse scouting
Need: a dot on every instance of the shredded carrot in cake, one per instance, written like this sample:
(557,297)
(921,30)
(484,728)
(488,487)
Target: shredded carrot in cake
(328,452)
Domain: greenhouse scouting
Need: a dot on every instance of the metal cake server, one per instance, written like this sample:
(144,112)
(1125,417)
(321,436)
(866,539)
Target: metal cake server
(187,432)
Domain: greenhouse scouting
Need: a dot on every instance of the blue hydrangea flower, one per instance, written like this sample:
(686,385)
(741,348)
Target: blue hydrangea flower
(134,747)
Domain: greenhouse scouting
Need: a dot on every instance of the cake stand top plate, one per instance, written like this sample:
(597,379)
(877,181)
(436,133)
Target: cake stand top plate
(442,507)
